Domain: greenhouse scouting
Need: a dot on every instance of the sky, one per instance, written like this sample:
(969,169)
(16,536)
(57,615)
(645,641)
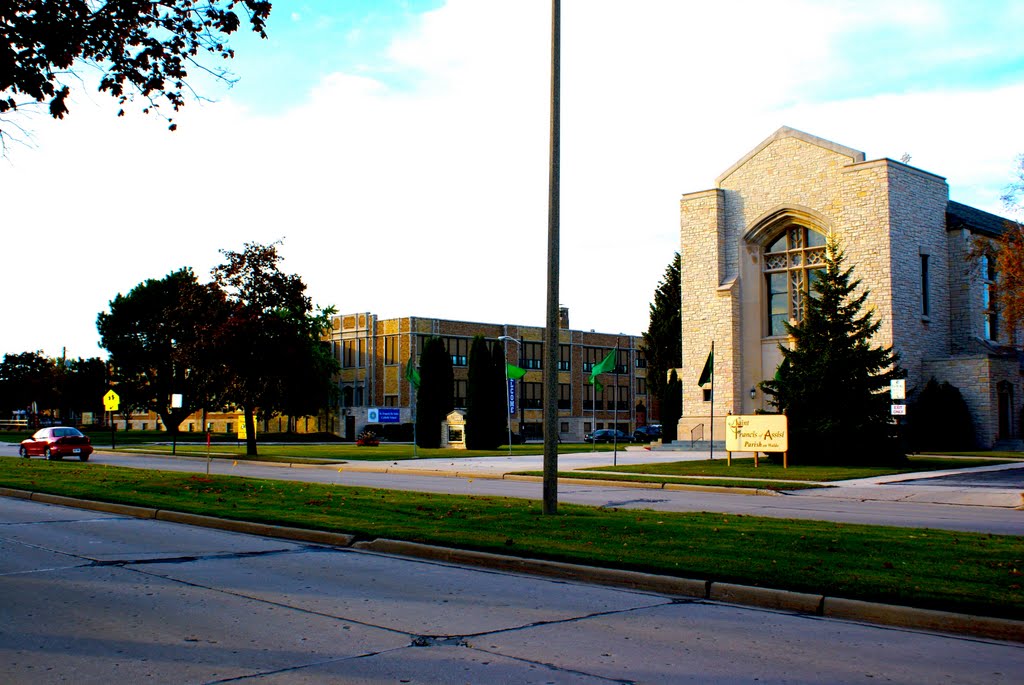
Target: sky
(399,149)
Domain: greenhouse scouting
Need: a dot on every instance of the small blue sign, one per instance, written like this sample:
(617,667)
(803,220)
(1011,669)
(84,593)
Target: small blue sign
(511,396)
(388,415)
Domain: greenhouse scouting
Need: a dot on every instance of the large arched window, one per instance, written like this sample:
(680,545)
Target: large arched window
(792,261)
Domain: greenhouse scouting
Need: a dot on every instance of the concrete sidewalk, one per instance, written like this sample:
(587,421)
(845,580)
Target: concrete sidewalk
(894,488)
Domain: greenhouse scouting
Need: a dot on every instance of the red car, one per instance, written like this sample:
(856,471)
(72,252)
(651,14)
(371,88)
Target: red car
(56,443)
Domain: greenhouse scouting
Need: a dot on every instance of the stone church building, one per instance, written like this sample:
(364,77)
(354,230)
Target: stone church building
(750,245)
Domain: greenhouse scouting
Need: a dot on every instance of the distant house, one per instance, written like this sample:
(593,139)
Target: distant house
(749,248)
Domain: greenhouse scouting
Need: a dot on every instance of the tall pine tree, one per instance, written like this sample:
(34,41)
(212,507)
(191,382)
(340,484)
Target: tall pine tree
(436,394)
(833,383)
(480,432)
(663,339)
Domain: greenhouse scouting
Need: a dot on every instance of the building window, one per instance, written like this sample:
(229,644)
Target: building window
(390,400)
(641,359)
(350,358)
(564,396)
(592,356)
(707,394)
(533,353)
(641,386)
(458,348)
(792,262)
(990,313)
(622,403)
(563,427)
(622,361)
(460,393)
(391,349)
(533,395)
(925,295)
(564,358)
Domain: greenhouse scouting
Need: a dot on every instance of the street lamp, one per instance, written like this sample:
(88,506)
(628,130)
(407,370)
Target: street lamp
(508,418)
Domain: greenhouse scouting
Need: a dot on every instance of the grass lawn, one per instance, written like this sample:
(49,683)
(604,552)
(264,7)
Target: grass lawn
(963,572)
(744,468)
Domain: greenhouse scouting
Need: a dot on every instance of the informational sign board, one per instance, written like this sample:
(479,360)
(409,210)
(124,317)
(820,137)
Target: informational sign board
(243,434)
(899,410)
(511,396)
(176,400)
(388,415)
(898,389)
(756,433)
(111,401)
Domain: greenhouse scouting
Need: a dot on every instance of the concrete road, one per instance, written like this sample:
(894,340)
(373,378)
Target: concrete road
(87,597)
(874,504)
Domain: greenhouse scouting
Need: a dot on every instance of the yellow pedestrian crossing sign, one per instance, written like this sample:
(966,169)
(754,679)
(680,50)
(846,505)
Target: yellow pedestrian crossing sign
(111,401)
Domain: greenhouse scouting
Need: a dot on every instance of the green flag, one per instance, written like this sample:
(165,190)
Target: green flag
(514,372)
(605,365)
(411,374)
(709,368)
(597,385)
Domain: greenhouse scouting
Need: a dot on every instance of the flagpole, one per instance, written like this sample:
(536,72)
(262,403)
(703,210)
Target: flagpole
(615,410)
(711,442)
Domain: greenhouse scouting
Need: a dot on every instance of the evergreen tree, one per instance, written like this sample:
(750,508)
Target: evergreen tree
(832,383)
(499,394)
(436,394)
(480,420)
(663,339)
(940,420)
(671,407)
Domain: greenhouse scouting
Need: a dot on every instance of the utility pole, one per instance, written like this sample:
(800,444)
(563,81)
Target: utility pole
(551,361)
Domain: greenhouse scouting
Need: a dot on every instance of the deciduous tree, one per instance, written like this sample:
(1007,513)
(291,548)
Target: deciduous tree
(271,340)
(142,48)
(161,337)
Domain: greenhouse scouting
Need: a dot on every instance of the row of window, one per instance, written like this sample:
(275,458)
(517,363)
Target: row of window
(795,259)
(531,396)
(353,354)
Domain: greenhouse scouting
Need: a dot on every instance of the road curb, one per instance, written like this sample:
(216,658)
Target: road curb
(923,619)
(251,528)
(767,598)
(555,569)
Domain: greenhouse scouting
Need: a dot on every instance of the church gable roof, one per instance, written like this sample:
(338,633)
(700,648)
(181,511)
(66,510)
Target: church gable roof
(787,132)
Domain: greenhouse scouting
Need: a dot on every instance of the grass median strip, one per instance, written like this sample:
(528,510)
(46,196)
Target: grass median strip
(744,468)
(960,572)
(586,474)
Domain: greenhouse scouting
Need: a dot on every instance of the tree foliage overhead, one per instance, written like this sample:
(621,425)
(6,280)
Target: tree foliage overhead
(663,339)
(833,383)
(161,337)
(271,340)
(1007,255)
(141,47)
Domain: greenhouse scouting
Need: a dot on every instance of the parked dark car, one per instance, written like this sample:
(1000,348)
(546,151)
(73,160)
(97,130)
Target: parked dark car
(607,435)
(647,433)
(56,443)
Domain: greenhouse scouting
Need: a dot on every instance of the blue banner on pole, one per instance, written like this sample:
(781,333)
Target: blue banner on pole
(511,396)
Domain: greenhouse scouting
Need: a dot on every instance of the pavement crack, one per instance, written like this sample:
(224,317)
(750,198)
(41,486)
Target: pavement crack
(625,503)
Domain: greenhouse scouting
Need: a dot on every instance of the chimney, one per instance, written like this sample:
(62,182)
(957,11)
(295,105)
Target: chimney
(563,318)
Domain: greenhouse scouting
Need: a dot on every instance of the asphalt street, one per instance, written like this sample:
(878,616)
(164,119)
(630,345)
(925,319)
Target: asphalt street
(90,597)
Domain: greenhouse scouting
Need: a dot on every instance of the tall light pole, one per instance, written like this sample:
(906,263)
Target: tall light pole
(509,392)
(551,361)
